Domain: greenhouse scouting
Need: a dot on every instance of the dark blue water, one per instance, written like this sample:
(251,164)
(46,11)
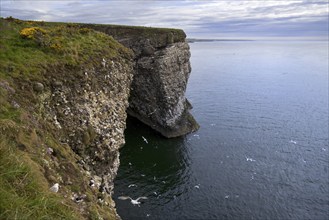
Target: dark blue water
(262,150)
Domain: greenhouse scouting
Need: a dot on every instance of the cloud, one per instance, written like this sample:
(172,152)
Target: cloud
(197,18)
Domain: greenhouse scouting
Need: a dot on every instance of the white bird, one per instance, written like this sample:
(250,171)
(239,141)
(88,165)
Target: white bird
(250,159)
(54,188)
(197,186)
(104,62)
(145,140)
(50,150)
(132,185)
(133,201)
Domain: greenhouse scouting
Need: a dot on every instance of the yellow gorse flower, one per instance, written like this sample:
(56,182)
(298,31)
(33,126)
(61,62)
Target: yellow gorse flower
(30,32)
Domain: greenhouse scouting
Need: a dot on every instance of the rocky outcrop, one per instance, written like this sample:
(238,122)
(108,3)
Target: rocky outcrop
(158,90)
(161,72)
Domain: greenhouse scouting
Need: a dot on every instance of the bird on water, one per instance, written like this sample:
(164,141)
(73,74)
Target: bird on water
(145,139)
(133,201)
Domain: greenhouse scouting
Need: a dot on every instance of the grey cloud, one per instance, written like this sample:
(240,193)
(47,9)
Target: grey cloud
(262,27)
(23,14)
(197,18)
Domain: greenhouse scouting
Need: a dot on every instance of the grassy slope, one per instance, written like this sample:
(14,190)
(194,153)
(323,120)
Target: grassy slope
(26,169)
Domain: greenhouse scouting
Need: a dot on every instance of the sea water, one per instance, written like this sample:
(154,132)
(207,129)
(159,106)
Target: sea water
(262,149)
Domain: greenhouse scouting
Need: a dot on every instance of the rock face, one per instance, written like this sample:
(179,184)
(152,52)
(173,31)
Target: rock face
(88,108)
(158,90)
(161,72)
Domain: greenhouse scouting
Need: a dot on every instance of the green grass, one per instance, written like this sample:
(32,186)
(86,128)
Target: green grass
(125,31)
(139,31)
(24,191)
(24,188)
(62,44)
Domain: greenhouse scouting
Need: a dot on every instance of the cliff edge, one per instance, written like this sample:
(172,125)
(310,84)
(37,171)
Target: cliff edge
(161,71)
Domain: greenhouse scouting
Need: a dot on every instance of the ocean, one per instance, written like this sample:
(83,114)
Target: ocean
(262,150)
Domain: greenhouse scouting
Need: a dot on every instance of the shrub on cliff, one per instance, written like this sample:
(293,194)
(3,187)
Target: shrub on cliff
(32,32)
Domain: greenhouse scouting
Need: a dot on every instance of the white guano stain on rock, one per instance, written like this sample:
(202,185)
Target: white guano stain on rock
(90,115)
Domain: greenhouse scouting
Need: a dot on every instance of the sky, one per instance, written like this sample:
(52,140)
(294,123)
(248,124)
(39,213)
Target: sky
(222,19)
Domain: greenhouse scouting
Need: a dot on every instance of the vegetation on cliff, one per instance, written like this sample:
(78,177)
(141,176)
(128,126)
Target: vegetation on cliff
(32,158)
(158,37)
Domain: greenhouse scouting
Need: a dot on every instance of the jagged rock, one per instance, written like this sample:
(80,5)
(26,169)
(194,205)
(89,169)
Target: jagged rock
(57,84)
(38,87)
(5,85)
(170,38)
(15,104)
(147,51)
(96,181)
(78,198)
(52,178)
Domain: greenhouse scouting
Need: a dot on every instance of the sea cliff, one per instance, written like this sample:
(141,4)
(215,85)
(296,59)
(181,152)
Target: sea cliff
(161,72)
(64,93)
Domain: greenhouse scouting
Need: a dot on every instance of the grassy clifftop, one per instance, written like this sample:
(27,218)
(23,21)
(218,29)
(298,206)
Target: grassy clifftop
(32,158)
(27,47)
(157,36)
